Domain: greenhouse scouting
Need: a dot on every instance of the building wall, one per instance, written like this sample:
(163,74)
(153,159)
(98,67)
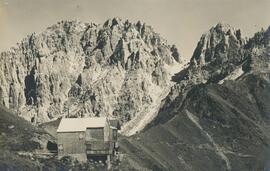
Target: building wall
(107,132)
(98,134)
(73,143)
(113,134)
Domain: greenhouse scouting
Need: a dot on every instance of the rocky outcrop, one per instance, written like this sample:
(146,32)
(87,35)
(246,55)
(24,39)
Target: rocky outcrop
(81,69)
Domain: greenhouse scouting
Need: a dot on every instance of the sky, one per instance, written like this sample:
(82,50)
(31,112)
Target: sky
(181,22)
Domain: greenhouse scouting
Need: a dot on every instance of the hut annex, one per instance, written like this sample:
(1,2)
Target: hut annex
(84,138)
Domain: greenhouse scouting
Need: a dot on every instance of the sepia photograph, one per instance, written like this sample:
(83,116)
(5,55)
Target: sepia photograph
(134,85)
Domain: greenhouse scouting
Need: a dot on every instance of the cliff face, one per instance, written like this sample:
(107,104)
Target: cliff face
(81,69)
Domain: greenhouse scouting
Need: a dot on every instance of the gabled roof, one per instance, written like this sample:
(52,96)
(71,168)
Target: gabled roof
(81,124)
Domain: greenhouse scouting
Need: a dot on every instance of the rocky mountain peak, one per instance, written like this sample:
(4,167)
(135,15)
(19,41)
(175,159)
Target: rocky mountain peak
(223,54)
(215,43)
(78,69)
(218,52)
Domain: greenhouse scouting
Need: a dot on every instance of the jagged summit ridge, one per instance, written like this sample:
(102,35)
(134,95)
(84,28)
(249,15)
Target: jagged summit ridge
(81,69)
(216,41)
(218,53)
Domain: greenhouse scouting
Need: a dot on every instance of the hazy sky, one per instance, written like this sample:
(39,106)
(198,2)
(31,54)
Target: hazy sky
(181,22)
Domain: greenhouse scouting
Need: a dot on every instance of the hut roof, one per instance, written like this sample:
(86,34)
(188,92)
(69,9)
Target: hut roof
(81,124)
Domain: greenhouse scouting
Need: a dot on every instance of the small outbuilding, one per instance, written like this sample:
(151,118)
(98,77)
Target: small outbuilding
(84,138)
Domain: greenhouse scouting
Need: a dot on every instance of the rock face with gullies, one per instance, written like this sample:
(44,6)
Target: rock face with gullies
(81,69)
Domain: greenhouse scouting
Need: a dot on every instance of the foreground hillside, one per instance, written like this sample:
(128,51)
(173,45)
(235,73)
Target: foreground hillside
(19,140)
